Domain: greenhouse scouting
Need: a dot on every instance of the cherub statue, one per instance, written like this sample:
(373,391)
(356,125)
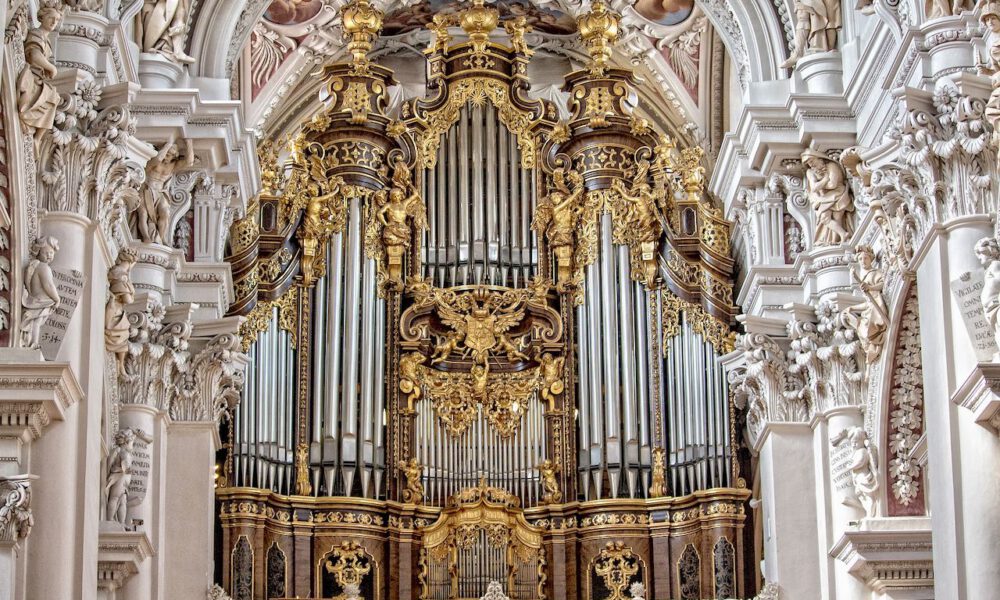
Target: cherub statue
(40,295)
(413,471)
(480,381)
(870,318)
(830,197)
(547,470)
(409,376)
(447,344)
(161,28)
(37,98)
(988,252)
(817,24)
(151,215)
(120,473)
(116,325)
(863,466)
(552,378)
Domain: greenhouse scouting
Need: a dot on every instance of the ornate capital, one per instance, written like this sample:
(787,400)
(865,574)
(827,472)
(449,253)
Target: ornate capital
(765,386)
(16,519)
(212,382)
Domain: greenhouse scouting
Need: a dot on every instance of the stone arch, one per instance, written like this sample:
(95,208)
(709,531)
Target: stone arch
(754,35)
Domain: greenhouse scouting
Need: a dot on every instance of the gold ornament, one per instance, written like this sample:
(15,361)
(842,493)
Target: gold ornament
(658,485)
(616,564)
(361,23)
(349,565)
(413,471)
(599,30)
(302,485)
(547,471)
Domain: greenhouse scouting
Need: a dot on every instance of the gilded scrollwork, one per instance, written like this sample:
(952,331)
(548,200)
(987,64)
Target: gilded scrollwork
(350,565)
(616,565)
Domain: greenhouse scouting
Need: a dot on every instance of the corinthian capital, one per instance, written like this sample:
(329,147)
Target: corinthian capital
(212,382)
(765,386)
(15,508)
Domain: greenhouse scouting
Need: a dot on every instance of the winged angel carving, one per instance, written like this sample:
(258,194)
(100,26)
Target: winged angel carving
(396,215)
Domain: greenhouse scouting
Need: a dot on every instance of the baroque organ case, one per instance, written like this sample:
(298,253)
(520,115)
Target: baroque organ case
(484,313)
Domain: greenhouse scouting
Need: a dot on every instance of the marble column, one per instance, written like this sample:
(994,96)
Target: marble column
(189,480)
(963,490)
(67,500)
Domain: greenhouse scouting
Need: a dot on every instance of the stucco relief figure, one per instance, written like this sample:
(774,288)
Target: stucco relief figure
(945,8)
(988,253)
(119,476)
(116,325)
(817,24)
(830,198)
(863,466)
(161,28)
(870,318)
(990,18)
(40,295)
(151,216)
(37,98)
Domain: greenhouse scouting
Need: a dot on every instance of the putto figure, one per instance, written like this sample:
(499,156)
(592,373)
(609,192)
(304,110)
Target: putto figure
(863,467)
(412,473)
(830,198)
(988,253)
(870,318)
(40,296)
(116,325)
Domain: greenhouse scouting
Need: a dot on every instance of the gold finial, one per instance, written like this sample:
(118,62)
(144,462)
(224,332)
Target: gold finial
(599,30)
(478,22)
(362,22)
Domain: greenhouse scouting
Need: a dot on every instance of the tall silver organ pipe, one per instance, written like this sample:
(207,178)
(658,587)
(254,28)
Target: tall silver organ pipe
(264,428)
(347,371)
(480,204)
(347,456)
(618,338)
(453,463)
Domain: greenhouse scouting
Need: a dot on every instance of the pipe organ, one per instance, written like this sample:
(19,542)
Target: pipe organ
(484,341)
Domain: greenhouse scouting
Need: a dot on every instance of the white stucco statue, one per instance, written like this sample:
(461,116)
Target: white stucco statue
(352,591)
(945,8)
(116,325)
(40,296)
(870,319)
(119,476)
(863,466)
(988,253)
(151,216)
(830,198)
(817,23)
(37,98)
(161,28)
(990,18)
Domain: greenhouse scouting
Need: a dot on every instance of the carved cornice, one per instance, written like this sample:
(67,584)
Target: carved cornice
(889,560)
(980,393)
(34,394)
(119,555)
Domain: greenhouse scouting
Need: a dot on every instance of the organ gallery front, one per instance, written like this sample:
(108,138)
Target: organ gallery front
(484,312)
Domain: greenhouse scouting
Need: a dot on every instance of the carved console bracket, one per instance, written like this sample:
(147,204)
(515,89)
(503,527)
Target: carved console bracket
(119,555)
(893,560)
(32,394)
(981,394)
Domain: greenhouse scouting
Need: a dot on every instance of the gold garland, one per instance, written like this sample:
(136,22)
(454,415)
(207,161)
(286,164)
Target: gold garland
(714,331)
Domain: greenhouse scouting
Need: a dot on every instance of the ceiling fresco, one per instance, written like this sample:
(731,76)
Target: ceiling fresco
(420,14)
